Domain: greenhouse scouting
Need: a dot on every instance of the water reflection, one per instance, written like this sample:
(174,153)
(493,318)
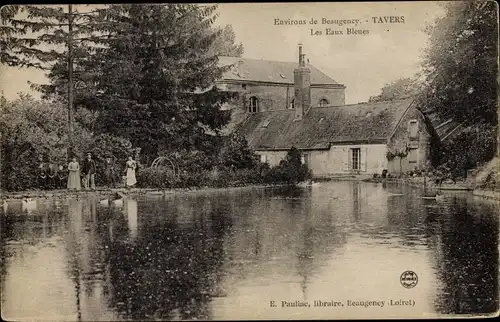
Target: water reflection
(226,255)
(131,212)
(170,271)
(465,239)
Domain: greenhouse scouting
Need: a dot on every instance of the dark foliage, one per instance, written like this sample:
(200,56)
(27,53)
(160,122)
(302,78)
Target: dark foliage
(461,70)
(289,171)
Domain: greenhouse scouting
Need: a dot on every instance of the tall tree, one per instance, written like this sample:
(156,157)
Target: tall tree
(49,38)
(148,70)
(154,80)
(460,68)
(398,89)
(461,62)
(7,13)
(224,44)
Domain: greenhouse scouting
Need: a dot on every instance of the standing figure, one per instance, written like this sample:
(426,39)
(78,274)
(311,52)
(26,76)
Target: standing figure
(89,171)
(130,170)
(74,175)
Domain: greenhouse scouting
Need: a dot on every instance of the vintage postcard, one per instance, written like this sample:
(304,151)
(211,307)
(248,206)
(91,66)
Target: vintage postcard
(249,161)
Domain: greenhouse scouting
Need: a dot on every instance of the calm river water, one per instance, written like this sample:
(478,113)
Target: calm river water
(228,254)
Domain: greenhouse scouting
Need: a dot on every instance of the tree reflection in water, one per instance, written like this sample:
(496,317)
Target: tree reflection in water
(466,248)
(169,258)
(170,270)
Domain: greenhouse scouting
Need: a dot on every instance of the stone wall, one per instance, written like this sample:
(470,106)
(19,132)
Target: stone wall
(400,139)
(335,161)
(273,158)
(279,97)
(334,96)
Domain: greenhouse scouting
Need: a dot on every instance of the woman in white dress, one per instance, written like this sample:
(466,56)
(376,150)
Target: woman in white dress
(131,166)
(74,175)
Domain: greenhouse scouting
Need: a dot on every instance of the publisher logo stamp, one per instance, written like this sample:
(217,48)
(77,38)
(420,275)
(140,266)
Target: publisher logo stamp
(409,279)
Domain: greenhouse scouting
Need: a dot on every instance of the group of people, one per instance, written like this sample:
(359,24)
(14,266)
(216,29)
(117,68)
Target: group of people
(88,171)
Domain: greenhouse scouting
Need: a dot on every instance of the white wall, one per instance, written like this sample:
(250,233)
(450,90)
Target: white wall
(272,157)
(335,160)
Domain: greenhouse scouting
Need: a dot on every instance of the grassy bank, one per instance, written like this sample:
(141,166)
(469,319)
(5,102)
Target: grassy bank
(108,192)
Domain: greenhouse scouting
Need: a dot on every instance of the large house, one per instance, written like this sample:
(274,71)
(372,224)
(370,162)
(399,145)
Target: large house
(274,114)
(265,85)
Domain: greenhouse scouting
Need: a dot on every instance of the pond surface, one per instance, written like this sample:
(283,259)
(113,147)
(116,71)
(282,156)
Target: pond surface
(226,255)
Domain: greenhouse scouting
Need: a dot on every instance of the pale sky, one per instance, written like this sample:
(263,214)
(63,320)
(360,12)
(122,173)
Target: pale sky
(363,63)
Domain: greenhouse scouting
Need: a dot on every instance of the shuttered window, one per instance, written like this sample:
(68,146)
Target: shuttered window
(413,155)
(413,129)
(356,159)
(253,105)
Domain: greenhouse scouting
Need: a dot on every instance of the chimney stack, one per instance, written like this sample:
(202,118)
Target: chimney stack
(302,87)
(301,57)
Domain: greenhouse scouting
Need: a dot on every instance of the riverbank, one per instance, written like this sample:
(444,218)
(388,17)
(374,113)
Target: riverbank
(488,179)
(420,182)
(488,194)
(459,186)
(109,192)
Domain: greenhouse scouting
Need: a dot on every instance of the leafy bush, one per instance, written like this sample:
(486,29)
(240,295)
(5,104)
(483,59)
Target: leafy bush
(236,154)
(195,161)
(35,131)
(474,146)
(289,171)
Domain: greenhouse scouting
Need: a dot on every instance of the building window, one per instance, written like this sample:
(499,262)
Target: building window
(413,129)
(356,159)
(305,159)
(413,155)
(323,102)
(263,158)
(253,106)
(292,105)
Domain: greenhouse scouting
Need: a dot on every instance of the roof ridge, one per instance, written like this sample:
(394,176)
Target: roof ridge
(368,103)
(278,61)
(266,70)
(261,59)
(400,120)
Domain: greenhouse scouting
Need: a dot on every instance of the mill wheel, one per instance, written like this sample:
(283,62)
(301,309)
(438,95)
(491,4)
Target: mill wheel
(167,164)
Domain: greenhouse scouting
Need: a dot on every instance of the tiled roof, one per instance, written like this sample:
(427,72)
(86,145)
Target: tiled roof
(321,126)
(268,71)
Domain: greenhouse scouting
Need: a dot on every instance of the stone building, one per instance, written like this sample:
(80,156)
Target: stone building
(311,115)
(360,139)
(265,85)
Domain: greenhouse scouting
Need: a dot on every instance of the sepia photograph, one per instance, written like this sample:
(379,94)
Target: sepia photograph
(249,161)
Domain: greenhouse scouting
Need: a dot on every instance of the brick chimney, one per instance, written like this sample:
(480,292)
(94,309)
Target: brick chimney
(302,87)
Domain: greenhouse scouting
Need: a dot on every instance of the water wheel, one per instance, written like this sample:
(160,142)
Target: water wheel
(166,164)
